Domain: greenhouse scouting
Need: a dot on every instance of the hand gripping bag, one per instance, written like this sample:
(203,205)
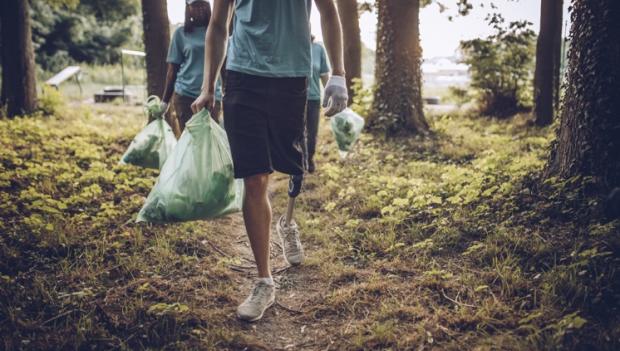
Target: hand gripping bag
(346,127)
(197,180)
(154,143)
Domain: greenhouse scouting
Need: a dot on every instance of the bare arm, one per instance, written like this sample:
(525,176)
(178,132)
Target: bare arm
(332,34)
(171,77)
(215,51)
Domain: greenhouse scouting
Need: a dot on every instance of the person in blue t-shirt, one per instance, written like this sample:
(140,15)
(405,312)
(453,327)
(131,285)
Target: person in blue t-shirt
(319,75)
(268,64)
(186,65)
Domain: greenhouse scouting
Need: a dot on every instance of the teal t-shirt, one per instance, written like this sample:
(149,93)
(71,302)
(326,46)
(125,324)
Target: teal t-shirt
(271,38)
(188,51)
(320,66)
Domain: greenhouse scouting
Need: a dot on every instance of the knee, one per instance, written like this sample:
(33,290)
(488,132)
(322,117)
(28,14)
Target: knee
(256,185)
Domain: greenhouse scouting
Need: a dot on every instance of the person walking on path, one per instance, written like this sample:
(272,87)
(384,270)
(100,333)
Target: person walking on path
(319,75)
(185,66)
(268,66)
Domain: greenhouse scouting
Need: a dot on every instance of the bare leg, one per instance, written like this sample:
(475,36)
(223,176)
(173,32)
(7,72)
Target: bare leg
(257,217)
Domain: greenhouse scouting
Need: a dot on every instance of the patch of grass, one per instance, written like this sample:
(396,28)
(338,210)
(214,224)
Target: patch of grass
(76,272)
(461,226)
(450,242)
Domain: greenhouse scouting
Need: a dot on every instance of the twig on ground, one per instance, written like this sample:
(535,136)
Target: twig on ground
(288,308)
(130,220)
(220,251)
(303,344)
(248,260)
(455,301)
(238,268)
(59,316)
(280,270)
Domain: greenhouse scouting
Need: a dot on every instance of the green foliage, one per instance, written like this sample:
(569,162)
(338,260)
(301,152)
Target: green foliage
(502,67)
(450,242)
(73,265)
(459,95)
(461,232)
(70,4)
(92,32)
(362,98)
(51,102)
(111,74)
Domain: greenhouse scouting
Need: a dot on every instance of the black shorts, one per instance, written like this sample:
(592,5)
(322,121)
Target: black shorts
(264,121)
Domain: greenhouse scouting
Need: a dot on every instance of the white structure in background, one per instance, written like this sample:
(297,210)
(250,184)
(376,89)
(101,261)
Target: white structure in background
(444,71)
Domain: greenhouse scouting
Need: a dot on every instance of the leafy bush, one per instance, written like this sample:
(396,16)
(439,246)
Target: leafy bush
(502,67)
(458,95)
(65,32)
(362,97)
(51,102)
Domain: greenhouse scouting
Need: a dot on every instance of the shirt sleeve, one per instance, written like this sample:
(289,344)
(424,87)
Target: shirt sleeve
(175,51)
(324,62)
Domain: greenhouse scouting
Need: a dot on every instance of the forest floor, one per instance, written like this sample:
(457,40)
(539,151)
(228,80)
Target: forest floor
(451,242)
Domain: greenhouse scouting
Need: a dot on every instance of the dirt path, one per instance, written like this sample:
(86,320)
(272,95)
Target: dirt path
(284,326)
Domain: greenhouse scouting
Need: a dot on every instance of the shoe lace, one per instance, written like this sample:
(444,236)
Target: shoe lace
(291,235)
(259,292)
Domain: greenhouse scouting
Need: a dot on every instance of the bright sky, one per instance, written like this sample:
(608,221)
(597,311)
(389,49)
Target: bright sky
(440,37)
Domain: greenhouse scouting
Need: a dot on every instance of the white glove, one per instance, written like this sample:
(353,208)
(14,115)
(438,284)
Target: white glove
(163,107)
(335,95)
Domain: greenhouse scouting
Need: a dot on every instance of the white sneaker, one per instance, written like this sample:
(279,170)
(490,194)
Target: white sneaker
(261,298)
(289,236)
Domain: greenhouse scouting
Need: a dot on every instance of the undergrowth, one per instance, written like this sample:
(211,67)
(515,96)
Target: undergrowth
(464,246)
(75,271)
(450,242)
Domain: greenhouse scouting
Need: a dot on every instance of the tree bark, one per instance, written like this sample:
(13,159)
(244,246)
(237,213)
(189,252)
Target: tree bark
(397,104)
(548,59)
(19,91)
(156,41)
(349,17)
(588,140)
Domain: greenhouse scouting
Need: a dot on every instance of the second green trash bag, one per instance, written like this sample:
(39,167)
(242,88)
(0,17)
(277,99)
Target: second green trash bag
(347,127)
(197,180)
(152,145)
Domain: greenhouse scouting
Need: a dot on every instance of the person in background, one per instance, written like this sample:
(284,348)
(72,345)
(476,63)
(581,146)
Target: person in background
(319,74)
(186,66)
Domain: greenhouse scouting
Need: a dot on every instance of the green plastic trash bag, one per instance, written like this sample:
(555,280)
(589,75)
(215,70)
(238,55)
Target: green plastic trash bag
(197,180)
(347,127)
(154,143)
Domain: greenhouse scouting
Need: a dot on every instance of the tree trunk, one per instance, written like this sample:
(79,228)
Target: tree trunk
(548,59)
(156,40)
(558,42)
(349,18)
(19,91)
(588,140)
(397,104)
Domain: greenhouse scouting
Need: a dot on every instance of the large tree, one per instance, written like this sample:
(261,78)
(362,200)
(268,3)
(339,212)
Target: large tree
(349,17)
(397,104)
(588,140)
(19,91)
(548,60)
(156,41)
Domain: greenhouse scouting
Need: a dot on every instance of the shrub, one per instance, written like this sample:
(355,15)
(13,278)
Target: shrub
(502,67)
(362,98)
(460,96)
(51,102)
